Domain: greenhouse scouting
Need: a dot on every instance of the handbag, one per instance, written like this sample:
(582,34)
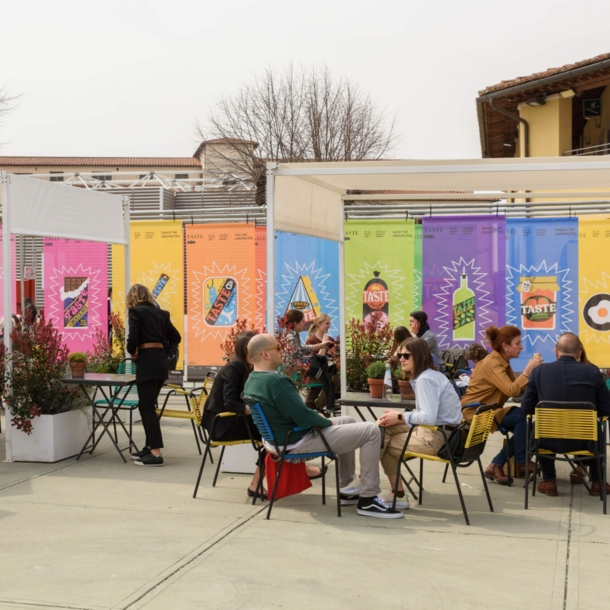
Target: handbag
(455,441)
(293,479)
(172,351)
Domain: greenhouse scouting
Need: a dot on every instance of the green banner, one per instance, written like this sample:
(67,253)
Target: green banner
(417,269)
(379,261)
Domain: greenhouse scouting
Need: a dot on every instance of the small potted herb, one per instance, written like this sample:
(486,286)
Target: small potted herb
(78,363)
(375,373)
(404,385)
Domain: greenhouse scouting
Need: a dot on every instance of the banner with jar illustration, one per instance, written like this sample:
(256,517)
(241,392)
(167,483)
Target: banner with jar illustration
(157,263)
(594,289)
(14,274)
(221,286)
(76,290)
(260,254)
(307,277)
(379,269)
(464,290)
(541,283)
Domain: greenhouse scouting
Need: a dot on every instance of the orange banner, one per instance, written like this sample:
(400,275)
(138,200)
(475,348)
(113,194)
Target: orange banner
(221,273)
(261,276)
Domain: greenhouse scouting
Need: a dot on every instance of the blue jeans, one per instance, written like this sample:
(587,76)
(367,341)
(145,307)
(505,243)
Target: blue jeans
(514,421)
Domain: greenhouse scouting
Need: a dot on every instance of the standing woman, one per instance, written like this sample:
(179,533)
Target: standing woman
(150,330)
(418,323)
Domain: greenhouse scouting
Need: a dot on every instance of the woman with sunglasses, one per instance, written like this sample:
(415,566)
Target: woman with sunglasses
(436,404)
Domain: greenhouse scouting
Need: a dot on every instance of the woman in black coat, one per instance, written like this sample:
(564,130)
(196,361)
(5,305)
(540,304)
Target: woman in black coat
(150,331)
(225,395)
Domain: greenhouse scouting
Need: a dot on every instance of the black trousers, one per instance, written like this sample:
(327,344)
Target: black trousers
(148,392)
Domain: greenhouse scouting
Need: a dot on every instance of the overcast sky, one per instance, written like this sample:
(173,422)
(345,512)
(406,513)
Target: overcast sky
(132,78)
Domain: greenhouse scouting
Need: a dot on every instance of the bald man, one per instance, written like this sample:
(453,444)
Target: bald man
(285,410)
(566,379)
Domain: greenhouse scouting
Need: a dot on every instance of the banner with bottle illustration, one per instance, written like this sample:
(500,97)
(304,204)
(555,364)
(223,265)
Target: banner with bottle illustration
(221,286)
(464,291)
(260,254)
(594,289)
(541,283)
(379,269)
(76,289)
(307,278)
(13,272)
(157,263)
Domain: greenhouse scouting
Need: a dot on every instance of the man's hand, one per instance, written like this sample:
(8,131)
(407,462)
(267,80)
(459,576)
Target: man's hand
(390,418)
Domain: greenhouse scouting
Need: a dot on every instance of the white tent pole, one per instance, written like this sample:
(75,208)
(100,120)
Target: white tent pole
(271,169)
(8,296)
(127,269)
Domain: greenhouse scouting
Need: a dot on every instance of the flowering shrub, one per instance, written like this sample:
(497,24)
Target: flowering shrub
(228,345)
(106,357)
(293,364)
(367,342)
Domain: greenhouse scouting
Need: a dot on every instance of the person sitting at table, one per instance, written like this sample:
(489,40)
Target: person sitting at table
(418,323)
(568,380)
(225,396)
(150,330)
(475,353)
(436,404)
(493,381)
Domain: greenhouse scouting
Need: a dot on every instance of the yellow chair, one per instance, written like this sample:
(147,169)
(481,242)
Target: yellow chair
(576,421)
(479,431)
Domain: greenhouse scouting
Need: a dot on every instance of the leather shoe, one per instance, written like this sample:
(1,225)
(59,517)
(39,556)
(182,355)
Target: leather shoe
(578,479)
(521,470)
(595,489)
(260,496)
(548,487)
(495,473)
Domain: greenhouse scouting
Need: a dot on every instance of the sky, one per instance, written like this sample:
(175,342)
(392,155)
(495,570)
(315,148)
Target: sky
(133,78)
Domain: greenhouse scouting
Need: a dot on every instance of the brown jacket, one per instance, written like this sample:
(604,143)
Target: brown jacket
(492,380)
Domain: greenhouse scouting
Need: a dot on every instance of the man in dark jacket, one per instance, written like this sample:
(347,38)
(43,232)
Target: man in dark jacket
(566,379)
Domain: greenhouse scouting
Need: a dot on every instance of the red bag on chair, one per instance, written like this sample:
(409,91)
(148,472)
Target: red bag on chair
(293,479)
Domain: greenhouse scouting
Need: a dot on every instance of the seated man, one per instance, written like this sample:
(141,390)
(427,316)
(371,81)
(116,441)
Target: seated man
(566,379)
(285,410)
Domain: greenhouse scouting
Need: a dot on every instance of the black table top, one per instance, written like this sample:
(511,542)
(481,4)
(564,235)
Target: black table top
(101,379)
(363,399)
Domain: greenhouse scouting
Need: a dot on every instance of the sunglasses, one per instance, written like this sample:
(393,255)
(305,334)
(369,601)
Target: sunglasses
(405,355)
(275,347)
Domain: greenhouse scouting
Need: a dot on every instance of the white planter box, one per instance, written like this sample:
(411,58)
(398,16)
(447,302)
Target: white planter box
(239,458)
(54,438)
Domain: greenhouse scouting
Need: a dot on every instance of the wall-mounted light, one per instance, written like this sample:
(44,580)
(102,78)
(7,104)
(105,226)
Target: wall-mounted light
(539,100)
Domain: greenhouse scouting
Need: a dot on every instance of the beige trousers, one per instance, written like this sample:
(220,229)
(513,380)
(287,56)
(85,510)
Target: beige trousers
(422,441)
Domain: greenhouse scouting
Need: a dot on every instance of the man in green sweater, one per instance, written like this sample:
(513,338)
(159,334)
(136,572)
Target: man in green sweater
(285,410)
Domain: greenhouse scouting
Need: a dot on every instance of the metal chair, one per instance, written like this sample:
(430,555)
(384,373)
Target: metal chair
(577,421)
(281,456)
(479,431)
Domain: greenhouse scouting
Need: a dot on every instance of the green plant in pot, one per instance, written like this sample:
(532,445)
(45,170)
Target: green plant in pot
(404,385)
(78,363)
(375,373)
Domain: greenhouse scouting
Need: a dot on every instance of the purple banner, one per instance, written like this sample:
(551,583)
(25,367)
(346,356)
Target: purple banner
(464,285)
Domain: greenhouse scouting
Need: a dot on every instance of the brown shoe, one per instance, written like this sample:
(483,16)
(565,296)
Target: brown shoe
(495,473)
(595,489)
(521,470)
(578,479)
(548,487)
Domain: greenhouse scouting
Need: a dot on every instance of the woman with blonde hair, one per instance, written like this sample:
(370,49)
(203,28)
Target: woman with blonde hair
(150,331)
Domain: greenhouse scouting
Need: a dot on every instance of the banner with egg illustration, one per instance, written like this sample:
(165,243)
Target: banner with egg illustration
(541,283)
(594,289)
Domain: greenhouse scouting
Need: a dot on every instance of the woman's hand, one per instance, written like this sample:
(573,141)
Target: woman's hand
(247,411)
(534,361)
(318,346)
(390,418)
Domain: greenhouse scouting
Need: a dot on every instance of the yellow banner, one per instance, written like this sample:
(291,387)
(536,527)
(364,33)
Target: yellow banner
(594,290)
(157,262)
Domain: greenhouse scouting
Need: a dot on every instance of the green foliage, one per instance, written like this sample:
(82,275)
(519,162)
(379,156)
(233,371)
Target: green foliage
(375,370)
(77,357)
(105,356)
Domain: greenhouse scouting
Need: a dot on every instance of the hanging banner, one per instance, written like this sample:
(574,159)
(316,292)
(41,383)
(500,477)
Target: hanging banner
(221,280)
(76,290)
(260,254)
(541,283)
(379,269)
(307,277)
(464,288)
(417,268)
(156,262)
(14,274)
(594,290)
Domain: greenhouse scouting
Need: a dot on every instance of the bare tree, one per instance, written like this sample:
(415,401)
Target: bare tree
(6,104)
(304,115)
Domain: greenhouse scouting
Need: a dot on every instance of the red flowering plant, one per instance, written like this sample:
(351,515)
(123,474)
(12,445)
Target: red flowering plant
(106,356)
(294,365)
(228,345)
(33,385)
(367,342)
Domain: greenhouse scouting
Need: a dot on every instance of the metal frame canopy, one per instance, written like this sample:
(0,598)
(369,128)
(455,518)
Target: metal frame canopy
(36,207)
(308,198)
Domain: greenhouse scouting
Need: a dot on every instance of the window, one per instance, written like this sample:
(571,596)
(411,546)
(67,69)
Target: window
(102,177)
(57,176)
(182,176)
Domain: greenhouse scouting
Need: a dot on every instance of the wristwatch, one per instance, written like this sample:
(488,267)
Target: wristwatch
(400,417)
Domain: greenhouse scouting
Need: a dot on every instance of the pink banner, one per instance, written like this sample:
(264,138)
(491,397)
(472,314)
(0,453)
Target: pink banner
(14,272)
(76,289)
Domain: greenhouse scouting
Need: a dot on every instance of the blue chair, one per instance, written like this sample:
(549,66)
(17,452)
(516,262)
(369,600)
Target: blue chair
(281,456)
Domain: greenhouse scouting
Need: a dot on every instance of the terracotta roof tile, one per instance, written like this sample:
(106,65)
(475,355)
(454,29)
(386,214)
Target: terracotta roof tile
(140,162)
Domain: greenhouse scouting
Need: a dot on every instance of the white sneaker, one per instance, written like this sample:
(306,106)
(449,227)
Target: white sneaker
(401,503)
(353,489)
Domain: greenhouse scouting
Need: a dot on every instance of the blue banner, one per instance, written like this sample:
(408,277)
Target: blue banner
(307,277)
(541,283)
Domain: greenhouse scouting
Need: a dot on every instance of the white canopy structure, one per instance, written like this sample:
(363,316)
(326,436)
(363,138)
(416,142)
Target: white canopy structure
(36,207)
(308,198)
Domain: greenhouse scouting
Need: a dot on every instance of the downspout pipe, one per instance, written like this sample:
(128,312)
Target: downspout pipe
(515,117)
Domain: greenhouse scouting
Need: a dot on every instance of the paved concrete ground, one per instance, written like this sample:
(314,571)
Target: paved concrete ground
(100,534)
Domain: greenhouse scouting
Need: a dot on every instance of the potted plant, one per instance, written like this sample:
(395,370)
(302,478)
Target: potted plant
(50,415)
(106,356)
(375,373)
(78,363)
(404,385)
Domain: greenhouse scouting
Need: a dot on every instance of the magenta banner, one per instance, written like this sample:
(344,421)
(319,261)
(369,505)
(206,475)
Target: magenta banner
(14,268)
(76,287)
(464,285)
